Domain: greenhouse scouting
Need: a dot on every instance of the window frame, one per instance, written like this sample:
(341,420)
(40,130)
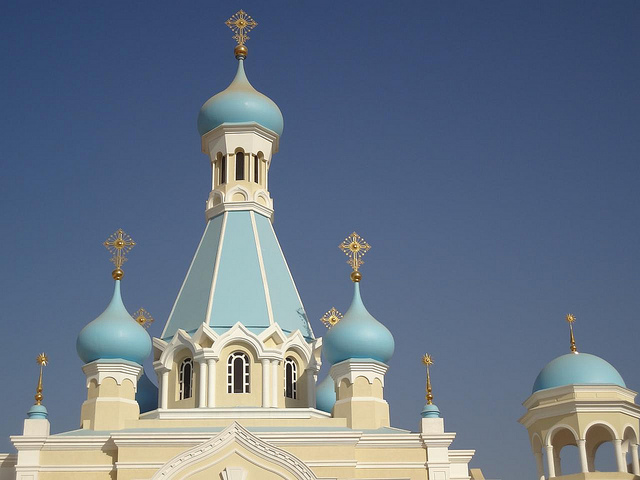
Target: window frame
(231,372)
(291,362)
(183,393)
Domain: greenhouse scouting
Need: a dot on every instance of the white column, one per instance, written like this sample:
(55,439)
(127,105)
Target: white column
(617,443)
(539,465)
(635,463)
(582,448)
(274,383)
(211,382)
(164,388)
(265,383)
(202,377)
(550,465)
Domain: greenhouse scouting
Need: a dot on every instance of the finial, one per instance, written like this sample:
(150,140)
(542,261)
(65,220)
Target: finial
(427,360)
(354,246)
(43,361)
(332,317)
(570,320)
(119,244)
(241,24)
(143,317)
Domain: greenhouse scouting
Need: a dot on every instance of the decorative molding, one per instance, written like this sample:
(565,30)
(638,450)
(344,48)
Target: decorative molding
(230,206)
(354,368)
(237,412)
(236,434)
(241,128)
(99,371)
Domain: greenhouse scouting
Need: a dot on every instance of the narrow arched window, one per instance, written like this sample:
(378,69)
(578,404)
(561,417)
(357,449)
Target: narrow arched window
(290,378)
(223,169)
(256,169)
(239,166)
(238,373)
(185,379)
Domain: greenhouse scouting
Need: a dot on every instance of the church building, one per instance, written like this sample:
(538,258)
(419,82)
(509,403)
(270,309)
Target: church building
(237,363)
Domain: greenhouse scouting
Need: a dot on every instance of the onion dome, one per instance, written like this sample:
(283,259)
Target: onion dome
(358,335)
(430,411)
(147,394)
(114,334)
(577,369)
(326,395)
(240,103)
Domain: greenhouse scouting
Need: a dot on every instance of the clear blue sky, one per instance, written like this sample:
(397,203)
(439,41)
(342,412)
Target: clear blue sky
(488,151)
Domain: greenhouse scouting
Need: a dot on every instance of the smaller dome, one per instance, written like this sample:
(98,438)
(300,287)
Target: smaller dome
(577,369)
(37,411)
(326,395)
(358,335)
(147,394)
(430,411)
(240,103)
(114,334)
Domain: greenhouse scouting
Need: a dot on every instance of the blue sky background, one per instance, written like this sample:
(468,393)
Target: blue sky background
(488,151)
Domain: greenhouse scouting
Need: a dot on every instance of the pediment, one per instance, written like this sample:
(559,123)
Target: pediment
(235,453)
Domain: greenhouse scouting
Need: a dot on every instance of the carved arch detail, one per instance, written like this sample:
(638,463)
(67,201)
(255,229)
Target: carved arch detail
(244,440)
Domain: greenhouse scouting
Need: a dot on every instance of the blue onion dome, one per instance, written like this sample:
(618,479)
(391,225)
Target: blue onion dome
(577,369)
(326,395)
(114,334)
(430,411)
(240,103)
(147,394)
(358,335)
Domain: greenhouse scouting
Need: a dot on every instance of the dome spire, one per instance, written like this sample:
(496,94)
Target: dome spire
(241,24)
(430,410)
(38,410)
(571,320)
(354,247)
(119,245)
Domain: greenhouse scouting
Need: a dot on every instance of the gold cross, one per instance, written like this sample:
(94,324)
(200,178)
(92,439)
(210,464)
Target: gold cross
(43,361)
(332,317)
(119,244)
(143,317)
(571,320)
(354,246)
(241,24)
(428,361)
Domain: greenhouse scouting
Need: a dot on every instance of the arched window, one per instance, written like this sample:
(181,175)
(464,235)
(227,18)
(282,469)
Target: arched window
(290,378)
(238,373)
(223,169)
(239,166)
(185,379)
(256,169)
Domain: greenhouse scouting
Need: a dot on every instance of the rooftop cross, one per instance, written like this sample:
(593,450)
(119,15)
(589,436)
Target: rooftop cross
(354,247)
(428,361)
(241,24)
(143,317)
(571,320)
(43,361)
(119,244)
(331,318)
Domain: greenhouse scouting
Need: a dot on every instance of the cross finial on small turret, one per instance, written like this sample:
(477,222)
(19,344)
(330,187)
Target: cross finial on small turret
(331,318)
(119,245)
(571,320)
(427,360)
(241,24)
(354,247)
(43,361)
